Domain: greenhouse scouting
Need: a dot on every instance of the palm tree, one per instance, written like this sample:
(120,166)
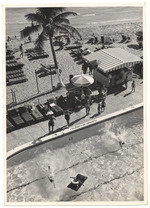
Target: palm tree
(48,21)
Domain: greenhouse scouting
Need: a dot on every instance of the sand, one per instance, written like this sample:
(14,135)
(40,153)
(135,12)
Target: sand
(27,91)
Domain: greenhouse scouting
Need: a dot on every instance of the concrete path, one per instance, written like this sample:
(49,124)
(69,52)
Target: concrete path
(114,102)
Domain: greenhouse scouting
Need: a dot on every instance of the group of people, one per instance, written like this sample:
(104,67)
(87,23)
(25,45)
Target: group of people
(51,122)
(85,67)
(102,99)
(93,39)
(62,40)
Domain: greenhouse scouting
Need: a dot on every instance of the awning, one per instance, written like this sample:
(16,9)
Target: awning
(112,59)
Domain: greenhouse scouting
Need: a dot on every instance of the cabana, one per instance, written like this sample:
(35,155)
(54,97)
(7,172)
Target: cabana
(112,66)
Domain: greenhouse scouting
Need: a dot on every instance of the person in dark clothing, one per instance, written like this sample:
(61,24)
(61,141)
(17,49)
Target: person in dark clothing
(103,106)
(21,50)
(126,82)
(99,108)
(51,123)
(87,106)
(90,69)
(67,117)
(133,86)
(84,67)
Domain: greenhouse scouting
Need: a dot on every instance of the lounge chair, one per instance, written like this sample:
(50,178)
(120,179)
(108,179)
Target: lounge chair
(16,71)
(56,109)
(25,115)
(11,61)
(10,76)
(15,118)
(36,114)
(14,65)
(81,179)
(10,126)
(16,80)
(9,57)
(44,109)
(70,47)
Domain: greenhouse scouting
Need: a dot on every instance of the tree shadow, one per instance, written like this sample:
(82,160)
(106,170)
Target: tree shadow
(134,46)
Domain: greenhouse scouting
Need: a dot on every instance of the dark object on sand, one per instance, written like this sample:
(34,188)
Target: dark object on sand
(69,47)
(81,179)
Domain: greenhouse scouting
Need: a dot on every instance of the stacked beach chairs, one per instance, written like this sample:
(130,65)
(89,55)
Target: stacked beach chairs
(14,72)
(34,53)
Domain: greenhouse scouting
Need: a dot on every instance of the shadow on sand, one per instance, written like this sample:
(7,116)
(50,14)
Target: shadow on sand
(116,90)
(134,46)
(77,120)
(127,94)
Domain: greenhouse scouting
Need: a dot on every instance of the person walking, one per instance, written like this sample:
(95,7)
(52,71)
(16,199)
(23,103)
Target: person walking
(67,117)
(90,69)
(51,123)
(133,86)
(103,106)
(21,50)
(50,176)
(126,82)
(99,108)
(87,106)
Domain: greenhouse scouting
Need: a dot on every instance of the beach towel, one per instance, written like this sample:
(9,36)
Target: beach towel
(81,179)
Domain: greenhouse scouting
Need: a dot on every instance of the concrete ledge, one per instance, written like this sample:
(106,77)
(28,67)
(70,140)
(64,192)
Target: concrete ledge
(78,127)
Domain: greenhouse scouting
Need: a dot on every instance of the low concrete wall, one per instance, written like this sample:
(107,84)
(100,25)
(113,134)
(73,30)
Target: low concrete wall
(78,127)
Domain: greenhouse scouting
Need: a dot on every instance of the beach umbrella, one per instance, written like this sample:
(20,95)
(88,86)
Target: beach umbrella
(82,80)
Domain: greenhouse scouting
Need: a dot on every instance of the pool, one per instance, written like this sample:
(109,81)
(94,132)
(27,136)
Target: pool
(109,154)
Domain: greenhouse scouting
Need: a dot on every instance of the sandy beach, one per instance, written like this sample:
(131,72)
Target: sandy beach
(68,64)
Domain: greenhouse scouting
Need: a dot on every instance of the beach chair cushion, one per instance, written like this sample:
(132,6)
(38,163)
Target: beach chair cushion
(17,120)
(56,109)
(36,114)
(10,126)
(81,179)
(25,115)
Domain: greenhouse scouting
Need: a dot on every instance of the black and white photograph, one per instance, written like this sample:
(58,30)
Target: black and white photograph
(75,104)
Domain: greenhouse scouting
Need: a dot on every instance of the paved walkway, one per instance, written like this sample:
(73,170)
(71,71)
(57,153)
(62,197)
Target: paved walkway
(114,102)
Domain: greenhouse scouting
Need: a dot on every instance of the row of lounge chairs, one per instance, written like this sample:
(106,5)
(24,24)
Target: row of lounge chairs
(34,53)
(46,70)
(23,116)
(14,72)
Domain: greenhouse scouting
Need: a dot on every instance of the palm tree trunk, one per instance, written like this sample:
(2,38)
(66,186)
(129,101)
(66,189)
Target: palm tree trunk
(60,82)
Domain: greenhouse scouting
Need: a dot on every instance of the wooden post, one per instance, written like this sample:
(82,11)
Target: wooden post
(37,82)
(12,93)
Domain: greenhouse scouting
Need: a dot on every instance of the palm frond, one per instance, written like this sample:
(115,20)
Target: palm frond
(61,20)
(64,15)
(50,11)
(69,29)
(40,40)
(34,17)
(29,30)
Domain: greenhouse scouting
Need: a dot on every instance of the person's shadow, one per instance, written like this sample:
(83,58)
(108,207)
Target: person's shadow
(96,114)
(127,94)
(77,120)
